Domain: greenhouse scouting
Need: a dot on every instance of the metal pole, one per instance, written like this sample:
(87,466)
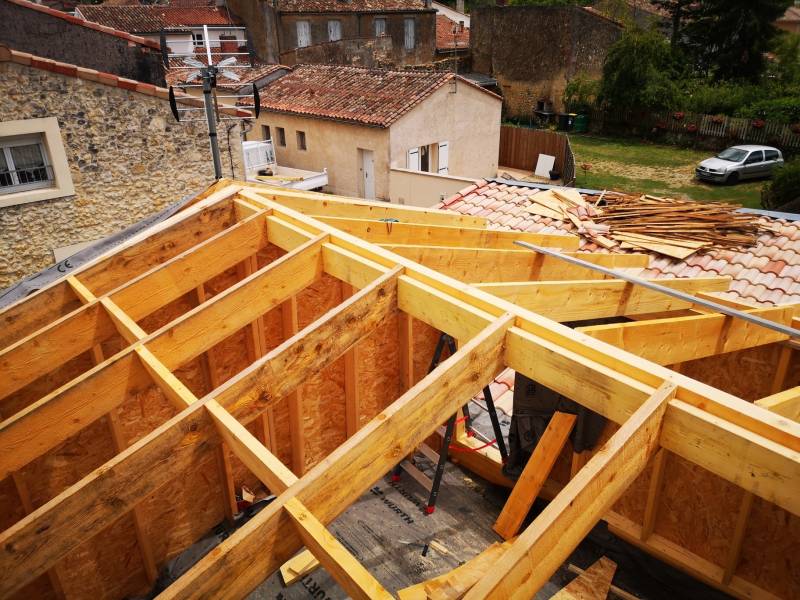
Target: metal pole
(731,312)
(212,122)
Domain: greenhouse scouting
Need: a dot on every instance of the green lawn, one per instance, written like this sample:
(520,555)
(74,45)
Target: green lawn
(635,166)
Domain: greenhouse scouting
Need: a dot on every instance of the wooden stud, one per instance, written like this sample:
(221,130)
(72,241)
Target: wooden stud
(405,324)
(339,563)
(352,392)
(536,471)
(592,584)
(654,493)
(737,539)
(298,567)
(555,533)
(295,398)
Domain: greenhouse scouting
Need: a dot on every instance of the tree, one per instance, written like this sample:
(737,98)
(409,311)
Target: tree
(678,11)
(729,38)
(639,73)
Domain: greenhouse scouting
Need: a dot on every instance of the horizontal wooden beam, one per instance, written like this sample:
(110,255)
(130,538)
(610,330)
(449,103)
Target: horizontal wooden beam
(478,265)
(205,326)
(598,299)
(286,236)
(334,557)
(384,232)
(255,551)
(31,313)
(786,403)
(555,533)
(315,204)
(675,340)
(184,272)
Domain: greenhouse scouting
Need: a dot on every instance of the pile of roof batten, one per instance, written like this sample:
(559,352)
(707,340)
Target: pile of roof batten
(675,228)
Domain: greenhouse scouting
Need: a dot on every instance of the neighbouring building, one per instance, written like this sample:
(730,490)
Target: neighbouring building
(533,51)
(790,21)
(404,136)
(83,154)
(260,74)
(286,31)
(49,33)
(183,24)
(452,37)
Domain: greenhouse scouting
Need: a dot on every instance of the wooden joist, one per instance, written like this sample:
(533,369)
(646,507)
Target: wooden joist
(785,403)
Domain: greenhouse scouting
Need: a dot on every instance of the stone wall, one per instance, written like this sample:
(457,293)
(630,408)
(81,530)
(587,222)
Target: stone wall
(363,52)
(533,51)
(48,36)
(128,158)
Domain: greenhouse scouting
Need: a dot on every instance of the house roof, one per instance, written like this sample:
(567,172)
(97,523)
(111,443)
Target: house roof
(104,28)
(445,39)
(152,19)
(68,70)
(766,274)
(177,76)
(371,97)
(311,6)
(792,15)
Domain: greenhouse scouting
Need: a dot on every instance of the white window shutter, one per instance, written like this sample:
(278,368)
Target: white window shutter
(444,155)
(409,33)
(413,159)
(303,34)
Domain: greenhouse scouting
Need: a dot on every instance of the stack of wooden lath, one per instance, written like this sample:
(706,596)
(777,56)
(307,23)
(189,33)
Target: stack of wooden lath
(675,228)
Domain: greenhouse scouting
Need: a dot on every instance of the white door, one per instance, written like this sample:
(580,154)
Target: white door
(444,148)
(412,161)
(303,34)
(367,173)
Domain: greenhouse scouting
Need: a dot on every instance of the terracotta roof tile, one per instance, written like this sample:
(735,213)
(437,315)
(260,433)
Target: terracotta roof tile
(152,19)
(450,35)
(768,273)
(350,5)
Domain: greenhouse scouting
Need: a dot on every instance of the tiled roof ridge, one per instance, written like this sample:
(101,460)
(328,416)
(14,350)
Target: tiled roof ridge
(351,6)
(88,24)
(200,15)
(69,70)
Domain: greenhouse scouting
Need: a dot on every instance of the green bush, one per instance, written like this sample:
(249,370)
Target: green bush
(719,99)
(580,94)
(784,110)
(784,187)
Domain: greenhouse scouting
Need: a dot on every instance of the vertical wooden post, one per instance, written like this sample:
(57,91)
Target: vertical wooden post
(352,392)
(405,323)
(654,493)
(295,399)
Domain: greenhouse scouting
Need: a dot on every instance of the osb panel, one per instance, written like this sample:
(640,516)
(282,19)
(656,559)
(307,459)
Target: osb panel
(771,550)
(269,253)
(107,566)
(697,509)
(379,369)
(759,364)
(632,503)
(39,588)
(169,312)
(323,394)
(182,512)
(45,384)
(142,414)
(11,509)
(425,339)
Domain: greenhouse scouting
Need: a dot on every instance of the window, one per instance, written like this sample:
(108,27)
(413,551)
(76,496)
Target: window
(409,33)
(755,157)
(301,140)
(380,26)
(197,38)
(771,155)
(33,164)
(281,136)
(334,31)
(303,34)
(266,134)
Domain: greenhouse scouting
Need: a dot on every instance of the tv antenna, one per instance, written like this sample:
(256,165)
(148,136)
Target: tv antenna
(206,73)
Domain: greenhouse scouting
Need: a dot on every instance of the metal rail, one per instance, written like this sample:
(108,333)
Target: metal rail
(725,310)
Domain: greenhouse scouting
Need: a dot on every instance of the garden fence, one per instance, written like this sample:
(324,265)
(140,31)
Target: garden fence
(520,148)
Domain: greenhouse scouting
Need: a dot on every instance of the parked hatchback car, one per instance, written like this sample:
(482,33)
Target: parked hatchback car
(740,162)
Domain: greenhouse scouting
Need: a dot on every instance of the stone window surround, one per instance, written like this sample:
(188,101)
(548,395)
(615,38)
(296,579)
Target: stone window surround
(51,138)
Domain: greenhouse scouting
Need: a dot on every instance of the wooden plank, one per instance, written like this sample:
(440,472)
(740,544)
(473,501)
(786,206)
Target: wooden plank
(203,327)
(597,299)
(314,204)
(785,403)
(405,325)
(534,474)
(286,236)
(592,584)
(654,493)
(165,282)
(554,534)
(295,397)
(254,552)
(52,346)
(614,591)
(737,539)
(36,311)
(479,265)
(456,582)
(350,267)
(378,232)
(298,567)
(127,327)
(334,557)
(352,390)
(679,339)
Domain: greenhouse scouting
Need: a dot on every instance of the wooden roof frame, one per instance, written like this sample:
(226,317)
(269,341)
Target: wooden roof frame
(500,322)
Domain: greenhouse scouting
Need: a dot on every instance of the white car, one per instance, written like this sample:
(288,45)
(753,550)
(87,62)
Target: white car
(740,162)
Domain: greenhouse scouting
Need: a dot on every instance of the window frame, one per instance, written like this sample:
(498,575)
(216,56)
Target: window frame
(281,131)
(197,39)
(307,25)
(385,28)
(753,155)
(266,132)
(338,24)
(49,135)
(413,29)
(776,155)
(6,144)
(302,143)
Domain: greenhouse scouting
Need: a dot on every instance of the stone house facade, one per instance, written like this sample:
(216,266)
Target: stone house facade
(280,27)
(109,153)
(534,51)
(57,35)
(369,127)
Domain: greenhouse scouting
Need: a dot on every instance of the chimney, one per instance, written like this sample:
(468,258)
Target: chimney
(460,6)
(228,44)
(428,3)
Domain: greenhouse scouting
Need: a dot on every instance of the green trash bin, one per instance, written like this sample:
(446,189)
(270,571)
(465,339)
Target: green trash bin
(581,124)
